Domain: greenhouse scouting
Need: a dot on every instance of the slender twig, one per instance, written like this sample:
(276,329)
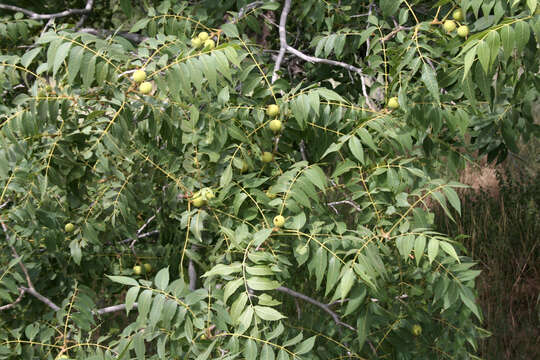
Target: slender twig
(134,38)
(132,245)
(247,8)
(16,256)
(9,306)
(319,304)
(303,150)
(368,42)
(41,298)
(147,234)
(394,32)
(114,308)
(30,289)
(192,276)
(348,202)
(36,16)
(349,67)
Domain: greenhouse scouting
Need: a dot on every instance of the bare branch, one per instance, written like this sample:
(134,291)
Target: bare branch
(348,202)
(284,47)
(324,307)
(9,306)
(247,8)
(30,289)
(147,234)
(134,38)
(192,276)
(36,16)
(192,272)
(132,245)
(16,256)
(114,308)
(282,38)
(349,67)
(41,298)
(303,150)
(394,32)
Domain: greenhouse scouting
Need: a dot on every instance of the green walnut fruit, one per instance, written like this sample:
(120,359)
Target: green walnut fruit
(139,76)
(199,201)
(137,270)
(275,125)
(272,110)
(147,267)
(196,42)
(270,195)
(62,357)
(457,15)
(245,166)
(207,194)
(449,26)
(209,44)
(393,103)
(279,221)
(416,330)
(145,87)
(69,227)
(463,31)
(267,157)
(203,36)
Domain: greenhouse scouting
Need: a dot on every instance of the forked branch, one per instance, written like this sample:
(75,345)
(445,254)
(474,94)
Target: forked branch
(284,47)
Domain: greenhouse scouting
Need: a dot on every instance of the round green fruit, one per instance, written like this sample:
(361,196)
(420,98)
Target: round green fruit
(137,270)
(207,194)
(203,36)
(199,201)
(139,76)
(270,195)
(62,357)
(69,227)
(393,103)
(196,42)
(245,166)
(267,157)
(449,26)
(417,330)
(272,110)
(279,221)
(147,267)
(210,44)
(457,15)
(463,31)
(275,125)
(145,87)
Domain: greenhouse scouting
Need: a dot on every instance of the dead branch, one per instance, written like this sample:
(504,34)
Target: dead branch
(319,304)
(284,47)
(33,15)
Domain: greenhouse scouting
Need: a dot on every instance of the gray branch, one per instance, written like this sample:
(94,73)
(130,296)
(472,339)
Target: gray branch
(348,202)
(282,38)
(284,47)
(32,291)
(319,304)
(114,308)
(134,38)
(33,15)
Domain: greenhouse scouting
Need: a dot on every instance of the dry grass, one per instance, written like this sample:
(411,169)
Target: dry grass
(501,216)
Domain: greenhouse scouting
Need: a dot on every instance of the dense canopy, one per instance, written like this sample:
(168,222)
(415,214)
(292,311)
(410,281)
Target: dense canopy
(249,180)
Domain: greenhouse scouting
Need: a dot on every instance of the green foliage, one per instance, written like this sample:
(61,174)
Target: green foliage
(80,144)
